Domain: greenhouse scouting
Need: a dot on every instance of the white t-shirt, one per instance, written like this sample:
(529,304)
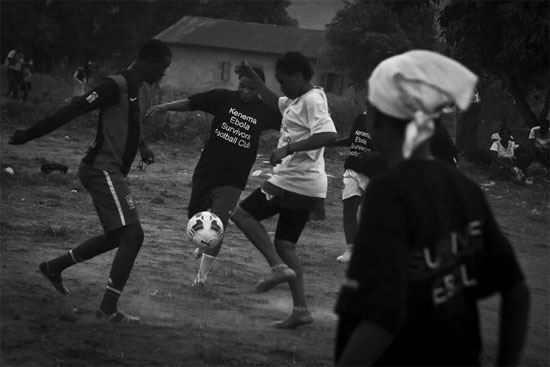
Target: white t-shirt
(504,152)
(303,172)
(542,142)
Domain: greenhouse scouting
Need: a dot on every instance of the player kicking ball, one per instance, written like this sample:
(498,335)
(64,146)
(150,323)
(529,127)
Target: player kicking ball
(298,186)
(222,171)
(103,172)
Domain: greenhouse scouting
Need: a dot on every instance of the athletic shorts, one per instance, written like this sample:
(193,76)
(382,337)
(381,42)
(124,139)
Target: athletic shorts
(354,184)
(112,198)
(222,201)
(291,222)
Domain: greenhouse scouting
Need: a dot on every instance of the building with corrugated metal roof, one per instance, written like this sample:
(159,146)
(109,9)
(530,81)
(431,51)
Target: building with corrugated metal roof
(206,51)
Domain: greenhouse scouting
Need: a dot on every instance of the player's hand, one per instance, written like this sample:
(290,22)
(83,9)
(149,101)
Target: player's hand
(147,155)
(19,137)
(277,155)
(244,69)
(155,109)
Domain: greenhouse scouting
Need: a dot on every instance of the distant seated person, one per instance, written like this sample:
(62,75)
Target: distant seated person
(537,147)
(504,153)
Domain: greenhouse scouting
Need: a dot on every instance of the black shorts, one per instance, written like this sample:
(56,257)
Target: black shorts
(112,198)
(222,201)
(291,222)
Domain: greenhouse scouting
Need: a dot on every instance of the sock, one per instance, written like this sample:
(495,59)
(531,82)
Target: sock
(62,262)
(207,262)
(300,310)
(110,298)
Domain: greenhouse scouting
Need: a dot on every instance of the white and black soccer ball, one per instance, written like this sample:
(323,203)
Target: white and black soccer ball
(205,230)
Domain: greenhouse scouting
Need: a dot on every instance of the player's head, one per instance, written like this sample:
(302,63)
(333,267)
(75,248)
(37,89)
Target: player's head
(544,124)
(293,71)
(505,133)
(155,56)
(248,90)
(407,92)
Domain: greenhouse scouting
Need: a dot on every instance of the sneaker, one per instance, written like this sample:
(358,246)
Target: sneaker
(345,257)
(118,317)
(54,278)
(279,275)
(199,281)
(297,318)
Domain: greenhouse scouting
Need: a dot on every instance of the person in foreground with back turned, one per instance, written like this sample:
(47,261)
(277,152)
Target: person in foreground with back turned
(428,247)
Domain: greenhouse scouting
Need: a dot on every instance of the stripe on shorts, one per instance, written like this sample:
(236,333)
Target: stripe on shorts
(115,197)
(73,258)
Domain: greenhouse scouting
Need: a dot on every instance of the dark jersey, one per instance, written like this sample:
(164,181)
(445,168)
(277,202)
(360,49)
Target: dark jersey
(427,249)
(361,157)
(118,133)
(359,143)
(231,149)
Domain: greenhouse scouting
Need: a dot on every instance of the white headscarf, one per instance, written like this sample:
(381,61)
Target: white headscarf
(415,86)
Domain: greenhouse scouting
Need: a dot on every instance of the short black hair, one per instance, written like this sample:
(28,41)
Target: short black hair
(503,130)
(294,62)
(154,49)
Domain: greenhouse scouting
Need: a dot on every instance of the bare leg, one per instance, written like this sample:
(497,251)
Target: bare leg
(287,252)
(257,234)
(300,314)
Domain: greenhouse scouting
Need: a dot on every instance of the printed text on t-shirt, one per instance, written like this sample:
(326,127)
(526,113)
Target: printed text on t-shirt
(232,131)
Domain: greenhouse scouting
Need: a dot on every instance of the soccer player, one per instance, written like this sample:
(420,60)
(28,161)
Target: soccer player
(360,166)
(428,246)
(298,185)
(364,163)
(103,170)
(224,166)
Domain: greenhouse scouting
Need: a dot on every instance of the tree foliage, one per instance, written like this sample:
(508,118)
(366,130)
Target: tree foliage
(55,31)
(365,32)
(505,39)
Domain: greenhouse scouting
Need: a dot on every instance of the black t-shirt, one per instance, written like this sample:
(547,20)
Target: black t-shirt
(231,149)
(361,157)
(427,249)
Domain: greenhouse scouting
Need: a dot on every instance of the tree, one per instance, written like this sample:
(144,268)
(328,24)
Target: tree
(365,32)
(503,39)
(57,31)
(257,11)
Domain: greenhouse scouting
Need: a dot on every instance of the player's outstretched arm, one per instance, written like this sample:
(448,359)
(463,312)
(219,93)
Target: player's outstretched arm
(105,94)
(514,318)
(179,105)
(343,142)
(315,141)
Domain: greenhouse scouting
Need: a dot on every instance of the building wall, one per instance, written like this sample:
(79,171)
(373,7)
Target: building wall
(197,69)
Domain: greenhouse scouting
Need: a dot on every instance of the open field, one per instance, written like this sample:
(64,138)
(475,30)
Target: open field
(41,216)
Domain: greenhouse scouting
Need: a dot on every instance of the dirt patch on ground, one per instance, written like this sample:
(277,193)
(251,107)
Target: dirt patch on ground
(44,215)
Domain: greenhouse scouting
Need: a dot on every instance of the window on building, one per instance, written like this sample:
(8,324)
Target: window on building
(226,71)
(333,83)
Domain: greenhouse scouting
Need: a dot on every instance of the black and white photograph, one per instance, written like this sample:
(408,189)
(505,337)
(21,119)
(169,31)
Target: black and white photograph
(274,183)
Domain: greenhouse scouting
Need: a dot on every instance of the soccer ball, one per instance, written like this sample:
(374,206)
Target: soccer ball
(205,230)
